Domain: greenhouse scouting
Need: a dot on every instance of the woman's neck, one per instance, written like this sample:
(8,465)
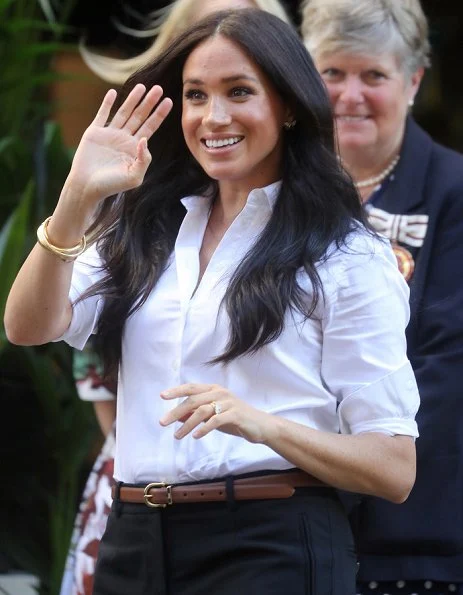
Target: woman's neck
(231,200)
(370,172)
(226,208)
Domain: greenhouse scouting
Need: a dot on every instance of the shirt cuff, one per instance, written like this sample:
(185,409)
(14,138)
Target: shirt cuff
(85,314)
(388,405)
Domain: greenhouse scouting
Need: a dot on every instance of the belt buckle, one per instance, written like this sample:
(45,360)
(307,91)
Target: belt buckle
(155,485)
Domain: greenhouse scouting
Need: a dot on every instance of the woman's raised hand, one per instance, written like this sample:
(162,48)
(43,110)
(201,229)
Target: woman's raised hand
(113,157)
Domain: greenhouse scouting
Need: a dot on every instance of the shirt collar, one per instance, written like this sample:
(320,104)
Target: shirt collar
(268,193)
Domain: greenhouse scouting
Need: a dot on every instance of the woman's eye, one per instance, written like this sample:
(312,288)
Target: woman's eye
(194,95)
(241,92)
(375,75)
(331,73)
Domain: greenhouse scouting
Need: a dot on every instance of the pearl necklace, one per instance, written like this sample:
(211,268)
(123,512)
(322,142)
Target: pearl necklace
(380,177)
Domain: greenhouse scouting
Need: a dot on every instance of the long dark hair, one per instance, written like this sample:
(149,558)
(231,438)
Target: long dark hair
(316,206)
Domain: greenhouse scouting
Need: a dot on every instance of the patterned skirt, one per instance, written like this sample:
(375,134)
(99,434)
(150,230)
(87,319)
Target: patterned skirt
(90,524)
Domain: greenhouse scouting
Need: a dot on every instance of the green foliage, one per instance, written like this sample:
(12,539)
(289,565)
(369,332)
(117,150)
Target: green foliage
(12,241)
(46,438)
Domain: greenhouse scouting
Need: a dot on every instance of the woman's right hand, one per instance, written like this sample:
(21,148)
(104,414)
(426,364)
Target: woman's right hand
(113,157)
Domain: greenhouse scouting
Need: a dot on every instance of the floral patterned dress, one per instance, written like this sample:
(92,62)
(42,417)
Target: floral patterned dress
(96,500)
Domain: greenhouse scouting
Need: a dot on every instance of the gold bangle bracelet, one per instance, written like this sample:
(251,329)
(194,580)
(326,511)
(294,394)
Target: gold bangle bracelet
(66,254)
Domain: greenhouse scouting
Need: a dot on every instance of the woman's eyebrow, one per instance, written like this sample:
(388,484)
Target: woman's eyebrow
(227,79)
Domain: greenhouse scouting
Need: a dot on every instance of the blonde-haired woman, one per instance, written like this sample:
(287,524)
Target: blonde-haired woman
(167,23)
(372,55)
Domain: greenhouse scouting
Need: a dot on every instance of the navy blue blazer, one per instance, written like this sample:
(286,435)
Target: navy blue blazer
(423,538)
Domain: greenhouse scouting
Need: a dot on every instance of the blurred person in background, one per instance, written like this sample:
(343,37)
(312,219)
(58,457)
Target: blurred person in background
(372,55)
(95,504)
(167,23)
(96,497)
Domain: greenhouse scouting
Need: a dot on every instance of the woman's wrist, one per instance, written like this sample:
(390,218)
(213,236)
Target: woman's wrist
(271,431)
(68,254)
(72,216)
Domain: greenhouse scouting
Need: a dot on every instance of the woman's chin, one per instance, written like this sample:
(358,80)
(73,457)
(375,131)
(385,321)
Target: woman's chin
(353,145)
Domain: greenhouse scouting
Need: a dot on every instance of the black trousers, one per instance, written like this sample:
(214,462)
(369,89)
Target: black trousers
(296,546)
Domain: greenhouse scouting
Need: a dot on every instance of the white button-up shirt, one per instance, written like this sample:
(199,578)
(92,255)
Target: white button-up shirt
(343,370)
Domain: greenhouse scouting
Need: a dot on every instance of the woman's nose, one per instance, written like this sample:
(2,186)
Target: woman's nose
(217,113)
(351,90)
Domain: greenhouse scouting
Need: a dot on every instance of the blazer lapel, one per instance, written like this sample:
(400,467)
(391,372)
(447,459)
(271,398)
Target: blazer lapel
(406,192)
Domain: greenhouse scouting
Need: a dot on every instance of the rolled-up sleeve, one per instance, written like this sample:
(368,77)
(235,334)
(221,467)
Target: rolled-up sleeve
(364,362)
(85,313)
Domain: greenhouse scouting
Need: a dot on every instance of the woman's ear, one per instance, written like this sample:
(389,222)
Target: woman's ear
(290,120)
(415,83)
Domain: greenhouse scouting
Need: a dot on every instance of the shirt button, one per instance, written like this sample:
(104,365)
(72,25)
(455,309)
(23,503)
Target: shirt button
(373,585)
(175,365)
(428,584)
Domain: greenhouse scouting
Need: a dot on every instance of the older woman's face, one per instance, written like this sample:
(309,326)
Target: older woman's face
(370,97)
(207,7)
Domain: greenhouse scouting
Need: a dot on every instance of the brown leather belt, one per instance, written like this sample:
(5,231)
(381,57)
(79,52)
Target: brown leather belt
(262,487)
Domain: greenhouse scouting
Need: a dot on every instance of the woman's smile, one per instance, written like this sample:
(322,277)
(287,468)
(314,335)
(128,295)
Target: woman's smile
(222,142)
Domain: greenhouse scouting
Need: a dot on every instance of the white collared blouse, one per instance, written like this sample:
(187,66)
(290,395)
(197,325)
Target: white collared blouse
(343,370)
